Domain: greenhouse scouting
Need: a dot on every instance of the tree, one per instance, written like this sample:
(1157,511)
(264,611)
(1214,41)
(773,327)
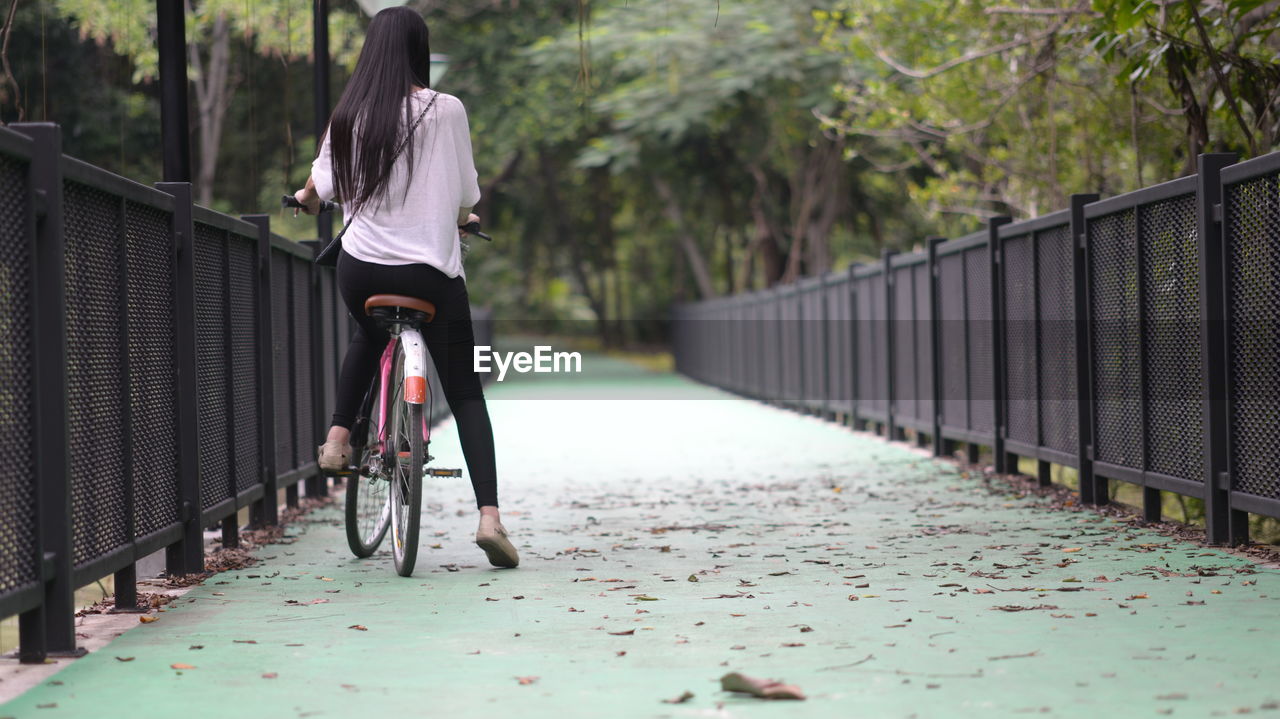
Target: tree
(280,29)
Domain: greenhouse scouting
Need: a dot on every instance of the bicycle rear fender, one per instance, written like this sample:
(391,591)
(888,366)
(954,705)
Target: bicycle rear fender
(415,366)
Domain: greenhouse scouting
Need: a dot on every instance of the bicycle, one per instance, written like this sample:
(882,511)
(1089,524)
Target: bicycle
(391,433)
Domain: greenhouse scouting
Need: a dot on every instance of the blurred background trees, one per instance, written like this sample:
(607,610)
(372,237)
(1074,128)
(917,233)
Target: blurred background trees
(636,152)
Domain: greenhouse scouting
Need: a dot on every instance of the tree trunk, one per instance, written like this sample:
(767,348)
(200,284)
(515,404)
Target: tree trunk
(565,232)
(213,89)
(697,263)
(765,240)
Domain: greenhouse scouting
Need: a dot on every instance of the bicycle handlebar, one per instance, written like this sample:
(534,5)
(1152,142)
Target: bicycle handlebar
(291,201)
(471,228)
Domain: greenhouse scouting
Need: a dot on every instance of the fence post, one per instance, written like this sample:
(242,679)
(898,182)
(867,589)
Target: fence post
(266,511)
(318,485)
(1093,489)
(187,555)
(890,427)
(935,338)
(1223,525)
(998,457)
(50,629)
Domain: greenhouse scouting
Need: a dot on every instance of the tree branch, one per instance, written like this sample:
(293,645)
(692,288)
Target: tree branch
(963,59)
(4,56)
(1216,63)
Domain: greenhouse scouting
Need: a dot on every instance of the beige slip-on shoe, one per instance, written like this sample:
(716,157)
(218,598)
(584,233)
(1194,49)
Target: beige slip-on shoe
(492,538)
(334,457)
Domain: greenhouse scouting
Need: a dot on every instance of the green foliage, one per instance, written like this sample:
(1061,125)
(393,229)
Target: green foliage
(281,28)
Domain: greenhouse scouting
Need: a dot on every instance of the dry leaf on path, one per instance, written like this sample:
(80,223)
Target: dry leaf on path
(124,659)
(180,665)
(627,633)
(359,627)
(686,696)
(524,681)
(763,688)
(147,620)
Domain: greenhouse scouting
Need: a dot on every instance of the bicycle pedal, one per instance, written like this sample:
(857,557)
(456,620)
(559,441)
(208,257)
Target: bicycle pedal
(441,472)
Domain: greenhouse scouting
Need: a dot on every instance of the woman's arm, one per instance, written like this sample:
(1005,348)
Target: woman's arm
(467,177)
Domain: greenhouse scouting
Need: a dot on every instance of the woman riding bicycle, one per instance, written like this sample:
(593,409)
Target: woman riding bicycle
(398,154)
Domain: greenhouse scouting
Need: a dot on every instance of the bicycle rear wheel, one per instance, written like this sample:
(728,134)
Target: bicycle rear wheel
(368,508)
(407,459)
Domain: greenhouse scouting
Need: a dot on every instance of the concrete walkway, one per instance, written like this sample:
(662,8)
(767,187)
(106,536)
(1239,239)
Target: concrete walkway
(671,534)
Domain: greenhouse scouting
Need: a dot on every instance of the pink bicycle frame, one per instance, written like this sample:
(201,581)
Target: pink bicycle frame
(415,380)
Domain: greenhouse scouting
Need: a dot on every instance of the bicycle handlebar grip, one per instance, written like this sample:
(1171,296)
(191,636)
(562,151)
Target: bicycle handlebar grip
(473,228)
(291,201)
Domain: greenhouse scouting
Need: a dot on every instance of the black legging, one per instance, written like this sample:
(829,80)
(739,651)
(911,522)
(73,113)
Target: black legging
(449,340)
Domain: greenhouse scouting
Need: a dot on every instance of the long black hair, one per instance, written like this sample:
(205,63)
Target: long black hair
(396,57)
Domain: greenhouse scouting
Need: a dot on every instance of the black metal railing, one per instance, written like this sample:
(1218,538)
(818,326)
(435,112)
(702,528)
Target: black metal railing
(1134,338)
(162,367)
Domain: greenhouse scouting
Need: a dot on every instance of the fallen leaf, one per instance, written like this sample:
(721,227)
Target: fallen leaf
(524,681)
(763,688)
(146,619)
(646,598)
(270,675)
(124,659)
(180,665)
(1073,549)
(692,578)
(686,696)
(359,627)
(627,633)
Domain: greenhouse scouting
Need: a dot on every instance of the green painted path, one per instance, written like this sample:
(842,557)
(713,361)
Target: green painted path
(881,583)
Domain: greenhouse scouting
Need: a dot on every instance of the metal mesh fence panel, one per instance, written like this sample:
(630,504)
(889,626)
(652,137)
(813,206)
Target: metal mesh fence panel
(1056,355)
(153,371)
(1174,375)
(211,365)
(242,276)
(18,566)
(977,270)
(1252,223)
(924,344)
(905,352)
(953,338)
(282,359)
(874,295)
(815,351)
(303,390)
(792,347)
(840,344)
(95,406)
(772,349)
(871,347)
(1021,388)
(1114,316)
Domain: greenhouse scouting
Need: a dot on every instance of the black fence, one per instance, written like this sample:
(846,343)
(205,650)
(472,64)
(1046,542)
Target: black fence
(162,367)
(1135,338)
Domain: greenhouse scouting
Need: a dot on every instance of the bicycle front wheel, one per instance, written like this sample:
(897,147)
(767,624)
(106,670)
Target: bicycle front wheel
(406,439)
(368,511)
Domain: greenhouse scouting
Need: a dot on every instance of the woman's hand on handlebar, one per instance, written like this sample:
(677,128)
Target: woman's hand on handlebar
(473,217)
(309,200)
